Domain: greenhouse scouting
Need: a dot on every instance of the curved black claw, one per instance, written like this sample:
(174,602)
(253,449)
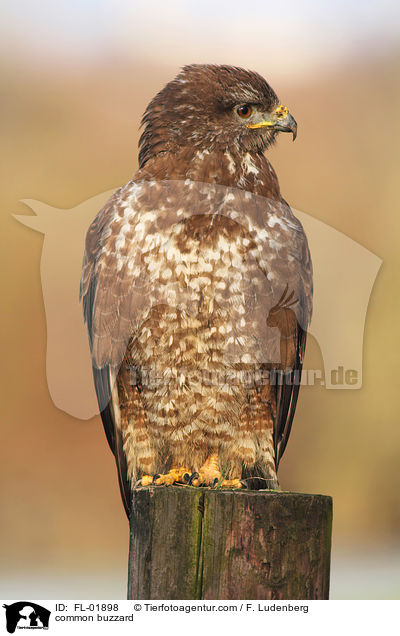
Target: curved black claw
(186,477)
(154,478)
(215,482)
(192,476)
(244,483)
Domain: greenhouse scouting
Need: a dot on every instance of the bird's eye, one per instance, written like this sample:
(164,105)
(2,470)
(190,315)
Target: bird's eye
(244,111)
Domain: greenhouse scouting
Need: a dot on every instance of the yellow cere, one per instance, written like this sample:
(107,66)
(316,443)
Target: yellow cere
(280,112)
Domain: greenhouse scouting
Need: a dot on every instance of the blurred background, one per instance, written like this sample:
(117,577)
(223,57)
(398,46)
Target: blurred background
(75,79)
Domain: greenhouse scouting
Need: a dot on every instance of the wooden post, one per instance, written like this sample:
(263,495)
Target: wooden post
(195,543)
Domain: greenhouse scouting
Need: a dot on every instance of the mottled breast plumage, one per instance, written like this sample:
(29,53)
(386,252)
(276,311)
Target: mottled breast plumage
(197,288)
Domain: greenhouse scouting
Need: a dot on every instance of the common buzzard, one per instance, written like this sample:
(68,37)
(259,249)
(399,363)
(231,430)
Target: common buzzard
(197,291)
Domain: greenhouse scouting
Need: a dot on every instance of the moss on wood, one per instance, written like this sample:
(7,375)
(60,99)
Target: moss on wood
(191,543)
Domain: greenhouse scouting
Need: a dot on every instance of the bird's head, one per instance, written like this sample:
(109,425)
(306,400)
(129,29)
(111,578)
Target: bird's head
(211,107)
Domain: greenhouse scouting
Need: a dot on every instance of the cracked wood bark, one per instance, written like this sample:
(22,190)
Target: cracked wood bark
(192,543)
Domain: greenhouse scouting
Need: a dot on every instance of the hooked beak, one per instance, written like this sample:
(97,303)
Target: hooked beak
(280,119)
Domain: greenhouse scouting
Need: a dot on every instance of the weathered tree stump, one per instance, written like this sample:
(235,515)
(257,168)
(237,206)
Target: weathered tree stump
(194,543)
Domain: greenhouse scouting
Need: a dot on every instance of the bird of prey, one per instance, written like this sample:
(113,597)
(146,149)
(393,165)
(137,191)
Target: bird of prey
(197,291)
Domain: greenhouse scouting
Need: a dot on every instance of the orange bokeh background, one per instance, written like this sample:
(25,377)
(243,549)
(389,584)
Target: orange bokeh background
(70,131)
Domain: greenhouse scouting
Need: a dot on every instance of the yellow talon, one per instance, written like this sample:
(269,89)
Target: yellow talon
(231,483)
(208,475)
(209,472)
(173,475)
